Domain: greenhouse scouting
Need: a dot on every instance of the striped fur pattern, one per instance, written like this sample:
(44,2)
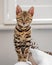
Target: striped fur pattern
(22,32)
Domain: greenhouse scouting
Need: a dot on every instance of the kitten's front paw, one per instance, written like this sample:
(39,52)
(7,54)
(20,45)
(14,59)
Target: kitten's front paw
(34,45)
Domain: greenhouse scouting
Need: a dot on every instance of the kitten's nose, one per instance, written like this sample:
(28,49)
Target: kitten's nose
(22,49)
(23,23)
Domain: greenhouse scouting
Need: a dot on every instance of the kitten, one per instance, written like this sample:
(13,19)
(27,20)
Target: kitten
(22,32)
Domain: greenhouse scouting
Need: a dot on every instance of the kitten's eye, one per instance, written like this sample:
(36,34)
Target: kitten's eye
(27,19)
(21,19)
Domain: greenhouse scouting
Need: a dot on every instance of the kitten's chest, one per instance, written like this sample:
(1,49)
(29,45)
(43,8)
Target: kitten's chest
(23,34)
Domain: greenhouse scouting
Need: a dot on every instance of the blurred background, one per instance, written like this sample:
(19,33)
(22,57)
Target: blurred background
(42,36)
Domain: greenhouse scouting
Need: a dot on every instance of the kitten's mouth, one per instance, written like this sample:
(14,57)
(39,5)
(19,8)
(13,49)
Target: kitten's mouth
(24,24)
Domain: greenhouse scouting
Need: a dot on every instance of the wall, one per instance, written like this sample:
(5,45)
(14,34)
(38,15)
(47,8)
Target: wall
(1,11)
(7,52)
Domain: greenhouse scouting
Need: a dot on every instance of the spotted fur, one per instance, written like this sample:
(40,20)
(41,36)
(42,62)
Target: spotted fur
(22,32)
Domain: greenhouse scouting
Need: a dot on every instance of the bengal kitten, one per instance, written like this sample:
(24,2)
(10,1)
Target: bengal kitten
(22,32)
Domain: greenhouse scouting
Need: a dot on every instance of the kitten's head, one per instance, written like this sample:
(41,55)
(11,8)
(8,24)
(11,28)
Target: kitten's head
(24,18)
(22,51)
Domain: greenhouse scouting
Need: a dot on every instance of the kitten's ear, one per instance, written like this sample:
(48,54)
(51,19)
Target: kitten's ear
(18,9)
(31,11)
